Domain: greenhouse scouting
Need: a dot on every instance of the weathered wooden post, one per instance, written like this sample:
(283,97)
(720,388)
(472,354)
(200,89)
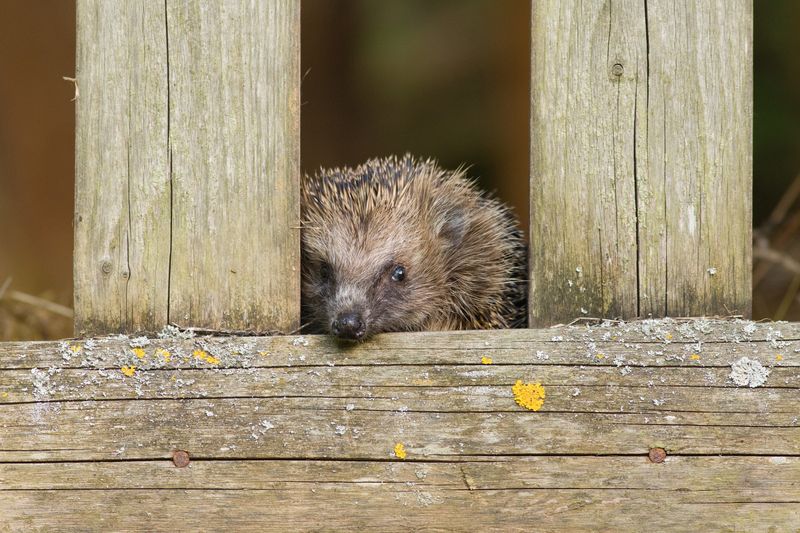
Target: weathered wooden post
(186,211)
(641,156)
(187,165)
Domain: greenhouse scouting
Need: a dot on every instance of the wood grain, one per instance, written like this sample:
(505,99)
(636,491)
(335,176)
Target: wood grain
(122,175)
(641,155)
(187,165)
(301,430)
(583,204)
(533,493)
(235,156)
(694,171)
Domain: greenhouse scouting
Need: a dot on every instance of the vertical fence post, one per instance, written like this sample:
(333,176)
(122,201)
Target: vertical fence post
(187,165)
(641,158)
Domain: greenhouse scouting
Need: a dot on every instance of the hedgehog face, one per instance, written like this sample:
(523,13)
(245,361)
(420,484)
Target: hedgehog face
(373,274)
(398,244)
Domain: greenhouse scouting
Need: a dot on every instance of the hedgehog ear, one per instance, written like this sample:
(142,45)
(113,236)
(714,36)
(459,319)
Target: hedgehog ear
(452,225)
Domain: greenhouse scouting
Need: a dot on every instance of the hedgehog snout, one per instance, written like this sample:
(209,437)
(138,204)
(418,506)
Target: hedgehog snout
(349,325)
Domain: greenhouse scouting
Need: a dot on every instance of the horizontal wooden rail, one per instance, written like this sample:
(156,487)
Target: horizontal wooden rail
(300,432)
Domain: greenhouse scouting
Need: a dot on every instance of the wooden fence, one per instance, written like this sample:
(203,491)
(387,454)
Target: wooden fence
(641,150)
(187,212)
(187,165)
(293,433)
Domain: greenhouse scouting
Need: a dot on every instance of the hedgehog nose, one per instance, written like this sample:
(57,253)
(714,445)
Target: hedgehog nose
(348,326)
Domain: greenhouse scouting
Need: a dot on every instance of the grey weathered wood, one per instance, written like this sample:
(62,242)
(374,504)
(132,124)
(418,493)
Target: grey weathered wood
(583,214)
(299,432)
(660,342)
(694,169)
(187,148)
(122,175)
(641,122)
(235,149)
(588,493)
(366,507)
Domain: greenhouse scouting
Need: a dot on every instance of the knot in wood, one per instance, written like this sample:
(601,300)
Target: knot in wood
(617,69)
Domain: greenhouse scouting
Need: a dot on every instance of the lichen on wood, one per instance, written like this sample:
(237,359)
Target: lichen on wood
(315,426)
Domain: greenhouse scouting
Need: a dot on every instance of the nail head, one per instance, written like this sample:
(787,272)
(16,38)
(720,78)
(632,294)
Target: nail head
(180,458)
(657,455)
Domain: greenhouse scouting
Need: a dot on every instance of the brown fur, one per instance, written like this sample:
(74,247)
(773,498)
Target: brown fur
(463,255)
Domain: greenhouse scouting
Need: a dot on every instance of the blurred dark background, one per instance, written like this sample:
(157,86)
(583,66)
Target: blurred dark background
(441,78)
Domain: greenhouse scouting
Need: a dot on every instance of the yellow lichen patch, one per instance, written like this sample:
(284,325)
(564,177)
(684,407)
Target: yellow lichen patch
(694,357)
(779,357)
(263,353)
(161,352)
(668,336)
(128,370)
(4,395)
(600,356)
(204,356)
(74,348)
(400,450)
(486,360)
(139,352)
(528,395)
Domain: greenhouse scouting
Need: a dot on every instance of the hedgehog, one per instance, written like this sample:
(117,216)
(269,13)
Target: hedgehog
(399,244)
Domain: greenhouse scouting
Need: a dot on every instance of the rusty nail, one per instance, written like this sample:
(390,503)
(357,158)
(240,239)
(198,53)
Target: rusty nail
(657,455)
(180,458)
(617,69)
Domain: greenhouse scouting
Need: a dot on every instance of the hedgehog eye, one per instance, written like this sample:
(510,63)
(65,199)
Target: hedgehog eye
(399,273)
(325,272)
